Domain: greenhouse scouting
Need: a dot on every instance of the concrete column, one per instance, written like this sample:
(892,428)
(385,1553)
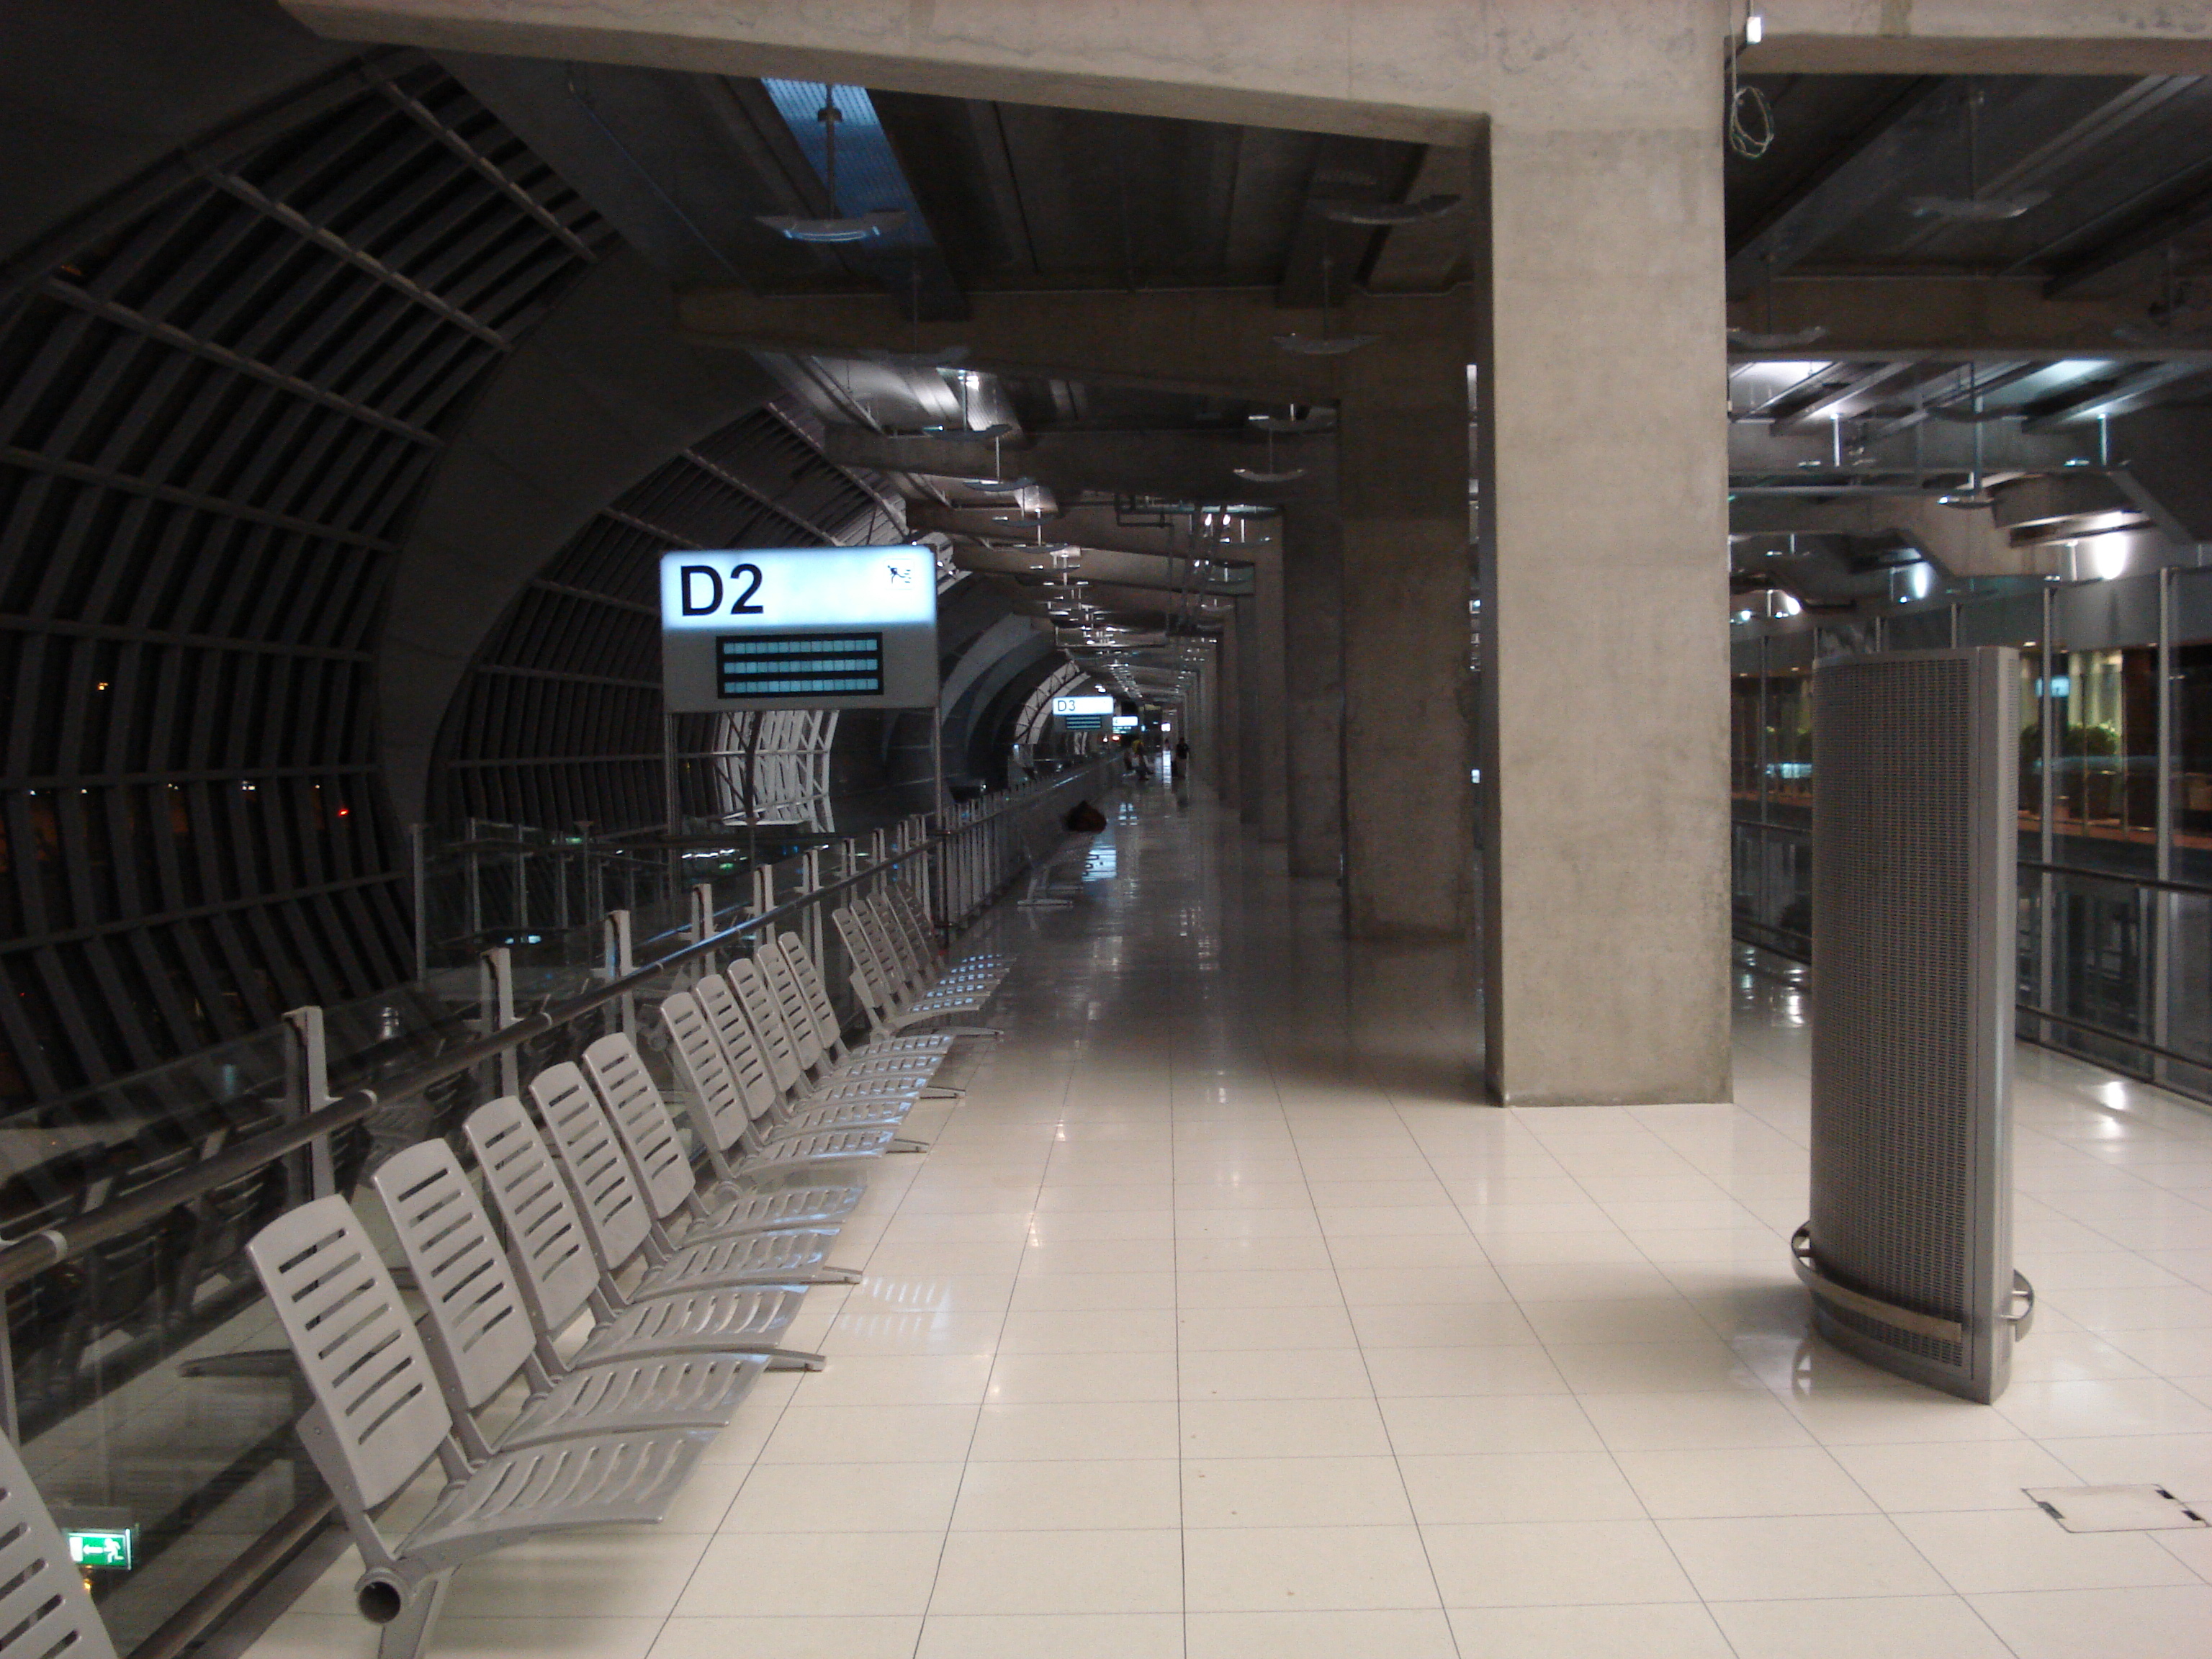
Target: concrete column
(1313,654)
(1265,704)
(1227,727)
(1603,461)
(1408,804)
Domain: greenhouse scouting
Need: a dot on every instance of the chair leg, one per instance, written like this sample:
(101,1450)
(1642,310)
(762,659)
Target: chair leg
(791,1359)
(405,1635)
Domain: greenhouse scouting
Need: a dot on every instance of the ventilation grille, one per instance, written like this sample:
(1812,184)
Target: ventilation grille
(1912,929)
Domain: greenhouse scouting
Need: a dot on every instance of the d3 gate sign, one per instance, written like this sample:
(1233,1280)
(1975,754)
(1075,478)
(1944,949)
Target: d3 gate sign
(798,628)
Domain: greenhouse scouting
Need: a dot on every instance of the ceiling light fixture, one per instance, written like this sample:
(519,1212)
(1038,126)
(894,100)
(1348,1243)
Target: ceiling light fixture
(1974,208)
(1389,213)
(1323,345)
(1314,420)
(1975,494)
(856,228)
(1271,474)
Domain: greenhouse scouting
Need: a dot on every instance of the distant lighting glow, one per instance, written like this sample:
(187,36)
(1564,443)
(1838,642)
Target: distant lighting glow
(2107,557)
(1755,29)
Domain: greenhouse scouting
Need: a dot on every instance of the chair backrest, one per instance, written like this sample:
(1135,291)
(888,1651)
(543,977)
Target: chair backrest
(807,972)
(790,1002)
(906,911)
(892,969)
(642,1123)
(613,1203)
(748,1062)
(44,1612)
(549,1249)
(893,944)
(869,984)
(719,1115)
(475,1307)
(355,1344)
(766,1019)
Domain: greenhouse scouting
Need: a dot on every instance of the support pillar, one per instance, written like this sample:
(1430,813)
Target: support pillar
(1408,803)
(1260,704)
(1603,458)
(1313,668)
(1266,803)
(1228,725)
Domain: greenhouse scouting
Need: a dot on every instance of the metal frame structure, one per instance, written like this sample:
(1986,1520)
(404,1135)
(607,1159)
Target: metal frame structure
(219,407)
(559,720)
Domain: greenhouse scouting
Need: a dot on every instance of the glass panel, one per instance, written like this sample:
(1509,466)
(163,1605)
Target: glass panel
(2100,965)
(1789,744)
(2031,751)
(2192,763)
(1743,738)
(2105,713)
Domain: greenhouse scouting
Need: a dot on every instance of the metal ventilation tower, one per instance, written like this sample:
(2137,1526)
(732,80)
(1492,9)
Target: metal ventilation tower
(1909,1250)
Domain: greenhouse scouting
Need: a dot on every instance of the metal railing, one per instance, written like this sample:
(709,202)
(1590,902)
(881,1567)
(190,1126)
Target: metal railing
(2112,965)
(956,869)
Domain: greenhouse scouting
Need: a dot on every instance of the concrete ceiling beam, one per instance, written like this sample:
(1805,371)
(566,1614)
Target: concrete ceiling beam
(1903,319)
(1984,37)
(1424,71)
(1198,464)
(1217,343)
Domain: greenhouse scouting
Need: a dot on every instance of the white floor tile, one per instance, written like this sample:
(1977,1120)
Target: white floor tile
(1554,1563)
(1858,1627)
(1276,1569)
(1294,1492)
(1785,1558)
(1068,1571)
(1663,1631)
(1090,1494)
(1399,1633)
(1746,1481)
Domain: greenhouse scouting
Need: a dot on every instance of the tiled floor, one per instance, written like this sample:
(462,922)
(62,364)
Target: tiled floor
(1218,1323)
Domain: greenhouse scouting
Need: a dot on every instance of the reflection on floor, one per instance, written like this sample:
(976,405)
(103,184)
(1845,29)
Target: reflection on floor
(1217,1324)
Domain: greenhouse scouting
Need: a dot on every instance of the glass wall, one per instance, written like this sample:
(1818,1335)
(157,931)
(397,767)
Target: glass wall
(2115,758)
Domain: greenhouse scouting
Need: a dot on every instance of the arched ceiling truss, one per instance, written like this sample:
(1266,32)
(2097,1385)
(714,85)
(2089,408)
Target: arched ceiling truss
(218,407)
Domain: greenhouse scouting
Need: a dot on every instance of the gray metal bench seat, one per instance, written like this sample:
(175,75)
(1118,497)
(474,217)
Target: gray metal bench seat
(892,1008)
(380,1420)
(818,1069)
(765,1018)
(740,1117)
(808,973)
(481,1337)
(556,1262)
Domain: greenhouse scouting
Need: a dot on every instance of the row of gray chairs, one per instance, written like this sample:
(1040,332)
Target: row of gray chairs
(685,1288)
(898,976)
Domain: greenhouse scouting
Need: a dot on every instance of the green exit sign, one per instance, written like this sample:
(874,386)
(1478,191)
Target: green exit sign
(102,1549)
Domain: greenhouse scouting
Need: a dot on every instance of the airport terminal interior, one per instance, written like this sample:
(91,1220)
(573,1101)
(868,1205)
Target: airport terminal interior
(868,830)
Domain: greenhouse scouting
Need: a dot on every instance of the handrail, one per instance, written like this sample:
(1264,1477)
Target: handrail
(24,1258)
(2119,877)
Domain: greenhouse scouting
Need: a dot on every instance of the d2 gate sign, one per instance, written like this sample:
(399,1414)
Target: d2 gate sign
(798,628)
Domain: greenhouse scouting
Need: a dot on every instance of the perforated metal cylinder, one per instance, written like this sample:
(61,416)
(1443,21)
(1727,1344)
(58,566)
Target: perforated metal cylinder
(1915,828)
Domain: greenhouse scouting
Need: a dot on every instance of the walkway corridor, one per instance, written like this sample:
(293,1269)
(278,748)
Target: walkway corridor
(1218,1323)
